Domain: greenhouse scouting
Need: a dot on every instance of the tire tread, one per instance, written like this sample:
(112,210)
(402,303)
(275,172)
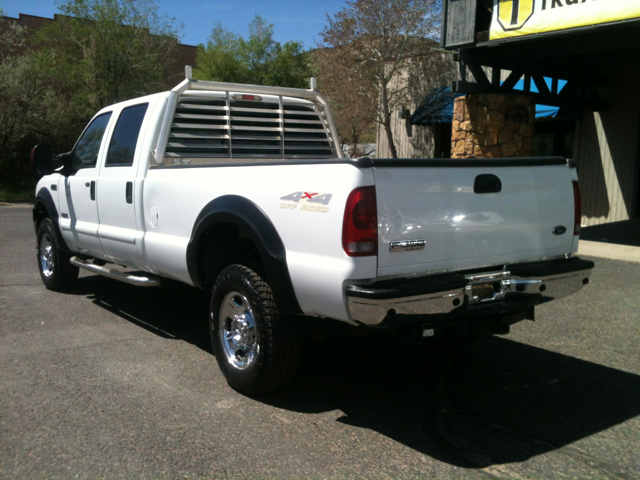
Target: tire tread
(64,274)
(278,363)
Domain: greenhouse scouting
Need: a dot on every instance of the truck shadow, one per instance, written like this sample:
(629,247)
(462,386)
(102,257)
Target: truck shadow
(497,402)
(175,311)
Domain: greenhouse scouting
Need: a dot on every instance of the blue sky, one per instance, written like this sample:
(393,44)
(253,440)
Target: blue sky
(299,20)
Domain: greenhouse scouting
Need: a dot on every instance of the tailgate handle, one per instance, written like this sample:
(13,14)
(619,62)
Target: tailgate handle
(487,183)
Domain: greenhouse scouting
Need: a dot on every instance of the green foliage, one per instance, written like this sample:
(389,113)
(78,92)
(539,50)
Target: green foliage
(290,67)
(221,59)
(99,53)
(20,99)
(17,189)
(111,50)
(258,60)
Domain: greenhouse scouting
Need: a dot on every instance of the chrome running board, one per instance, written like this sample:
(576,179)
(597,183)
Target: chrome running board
(125,277)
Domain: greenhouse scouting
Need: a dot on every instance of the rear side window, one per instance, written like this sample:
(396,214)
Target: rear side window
(125,136)
(86,152)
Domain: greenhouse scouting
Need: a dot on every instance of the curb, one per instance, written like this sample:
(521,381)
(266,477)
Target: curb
(611,251)
(17,204)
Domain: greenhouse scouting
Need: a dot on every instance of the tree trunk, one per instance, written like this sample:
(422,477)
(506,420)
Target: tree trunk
(354,137)
(387,122)
(389,132)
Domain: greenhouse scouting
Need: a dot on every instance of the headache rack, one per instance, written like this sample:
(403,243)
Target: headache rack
(223,123)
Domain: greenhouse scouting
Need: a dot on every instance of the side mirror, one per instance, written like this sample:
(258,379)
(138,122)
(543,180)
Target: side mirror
(41,160)
(63,162)
(45,164)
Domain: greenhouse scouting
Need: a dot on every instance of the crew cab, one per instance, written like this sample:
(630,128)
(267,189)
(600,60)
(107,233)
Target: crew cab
(244,191)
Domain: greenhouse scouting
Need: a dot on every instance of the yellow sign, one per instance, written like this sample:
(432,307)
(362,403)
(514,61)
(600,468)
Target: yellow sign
(514,18)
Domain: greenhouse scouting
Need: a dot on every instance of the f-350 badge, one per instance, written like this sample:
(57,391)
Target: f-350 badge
(407,245)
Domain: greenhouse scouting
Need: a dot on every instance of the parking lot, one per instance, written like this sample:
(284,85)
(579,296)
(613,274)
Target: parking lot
(114,381)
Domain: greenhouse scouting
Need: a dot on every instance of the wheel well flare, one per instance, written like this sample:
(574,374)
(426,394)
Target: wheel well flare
(232,229)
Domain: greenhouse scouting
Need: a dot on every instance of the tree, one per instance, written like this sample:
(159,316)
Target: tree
(221,59)
(259,60)
(380,42)
(290,67)
(259,50)
(22,100)
(99,53)
(353,103)
(111,50)
(12,93)
(10,39)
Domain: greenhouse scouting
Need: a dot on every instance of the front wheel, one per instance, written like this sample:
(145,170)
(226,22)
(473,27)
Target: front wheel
(257,349)
(55,270)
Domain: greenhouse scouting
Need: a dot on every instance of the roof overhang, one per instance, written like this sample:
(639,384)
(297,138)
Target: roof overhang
(565,54)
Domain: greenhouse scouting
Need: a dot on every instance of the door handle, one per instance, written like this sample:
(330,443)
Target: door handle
(487,183)
(129,192)
(93,190)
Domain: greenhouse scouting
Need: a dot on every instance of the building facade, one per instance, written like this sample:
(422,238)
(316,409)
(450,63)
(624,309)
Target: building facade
(582,58)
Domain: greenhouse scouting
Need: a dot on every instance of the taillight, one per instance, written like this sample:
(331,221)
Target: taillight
(360,226)
(577,202)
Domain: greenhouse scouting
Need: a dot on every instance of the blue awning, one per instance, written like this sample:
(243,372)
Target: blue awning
(437,107)
(543,111)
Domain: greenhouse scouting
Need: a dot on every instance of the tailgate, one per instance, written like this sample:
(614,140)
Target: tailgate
(454,209)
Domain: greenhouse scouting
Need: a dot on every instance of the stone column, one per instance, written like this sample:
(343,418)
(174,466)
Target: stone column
(492,126)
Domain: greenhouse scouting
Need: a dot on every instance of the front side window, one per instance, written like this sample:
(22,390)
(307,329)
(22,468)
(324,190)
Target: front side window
(85,154)
(125,136)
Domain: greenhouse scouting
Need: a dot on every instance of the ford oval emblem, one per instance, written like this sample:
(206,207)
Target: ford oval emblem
(559,230)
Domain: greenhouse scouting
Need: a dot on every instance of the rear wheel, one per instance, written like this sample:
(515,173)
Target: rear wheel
(257,349)
(55,270)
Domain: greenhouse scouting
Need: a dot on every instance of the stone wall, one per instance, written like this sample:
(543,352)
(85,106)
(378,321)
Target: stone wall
(492,126)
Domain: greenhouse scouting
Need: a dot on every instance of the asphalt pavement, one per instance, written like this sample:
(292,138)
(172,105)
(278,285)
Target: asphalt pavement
(115,381)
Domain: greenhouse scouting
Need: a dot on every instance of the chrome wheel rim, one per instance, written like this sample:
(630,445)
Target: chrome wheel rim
(46,256)
(237,330)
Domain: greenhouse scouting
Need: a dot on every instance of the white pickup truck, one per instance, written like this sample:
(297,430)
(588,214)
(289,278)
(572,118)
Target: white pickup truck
(243,191)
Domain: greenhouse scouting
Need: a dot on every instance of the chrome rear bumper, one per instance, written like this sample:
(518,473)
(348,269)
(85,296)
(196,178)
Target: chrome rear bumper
(454,294)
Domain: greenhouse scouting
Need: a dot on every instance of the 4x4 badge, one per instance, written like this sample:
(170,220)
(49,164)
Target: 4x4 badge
(309,197)
(311,201)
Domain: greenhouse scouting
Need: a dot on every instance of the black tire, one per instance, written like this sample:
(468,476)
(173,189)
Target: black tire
(55,270)
(264,354)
